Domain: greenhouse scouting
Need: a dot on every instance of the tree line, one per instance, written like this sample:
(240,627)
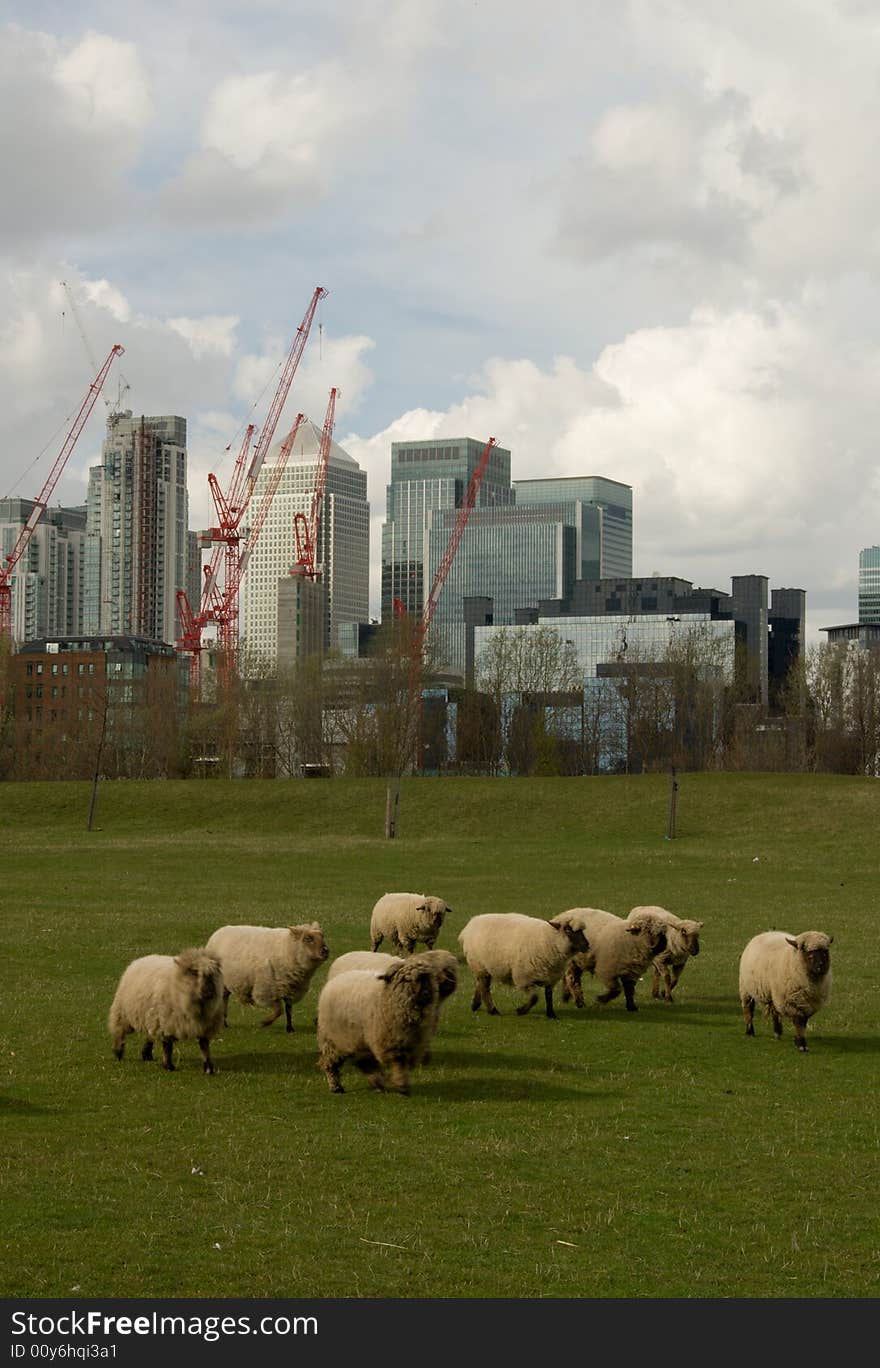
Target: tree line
(528,711)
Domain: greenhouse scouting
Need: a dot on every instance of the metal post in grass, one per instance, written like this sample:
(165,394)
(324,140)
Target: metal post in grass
(392,800)
(94,797)
(673,801)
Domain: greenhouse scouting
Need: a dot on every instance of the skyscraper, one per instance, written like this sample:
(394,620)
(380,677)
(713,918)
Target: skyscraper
(343,549)
(604,520)
(869,584)
(47,583)
(427,475)
(136,528)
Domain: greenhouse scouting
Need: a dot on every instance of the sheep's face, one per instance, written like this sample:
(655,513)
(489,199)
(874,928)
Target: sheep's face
(202,974)
(311,939)
(690,934)
(436,910)
(651,931)
(577,940)
(444,967)
(814,947)
(419,981)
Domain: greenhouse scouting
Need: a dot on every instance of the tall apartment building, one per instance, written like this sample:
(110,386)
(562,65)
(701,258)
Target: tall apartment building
(47,582)
(428,475)
(869,585)
(136,532)
(343,550)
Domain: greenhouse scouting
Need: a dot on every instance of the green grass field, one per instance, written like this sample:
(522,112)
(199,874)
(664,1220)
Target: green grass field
(605,1154)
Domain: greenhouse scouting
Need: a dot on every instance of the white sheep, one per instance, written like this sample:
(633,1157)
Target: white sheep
(788,976)
(526,952)
(682,941)
(620,952)
(269,966)
(168,998)
(382,1022)
(444,965)
(406,918)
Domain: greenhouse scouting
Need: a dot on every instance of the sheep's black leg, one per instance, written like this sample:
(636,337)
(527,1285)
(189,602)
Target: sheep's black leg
(167,1047)
(267,1021)
(748,1011)
(225,1006)
(777,1023)
(119,1042)
(375,942)
(527,1005)
(548,1001)
(287,1006)
(629,992)
(205,1047)
(398,1076)
(147,1051)
(800,1026)
(611,994)
(371,1067)
(484,983)
(655,983)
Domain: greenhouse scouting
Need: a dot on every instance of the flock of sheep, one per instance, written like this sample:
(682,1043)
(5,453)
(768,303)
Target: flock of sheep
(380,1011)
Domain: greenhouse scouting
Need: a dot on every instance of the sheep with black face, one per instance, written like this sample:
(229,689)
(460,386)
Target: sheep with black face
(788,976)
(169,998)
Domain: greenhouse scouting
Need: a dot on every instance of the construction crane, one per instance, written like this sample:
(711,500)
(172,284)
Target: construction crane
(9,563)
(307,529)
(232,506)
(123,383)
(225,604)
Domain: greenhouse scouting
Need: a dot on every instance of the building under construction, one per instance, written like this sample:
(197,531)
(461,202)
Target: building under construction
(136,530)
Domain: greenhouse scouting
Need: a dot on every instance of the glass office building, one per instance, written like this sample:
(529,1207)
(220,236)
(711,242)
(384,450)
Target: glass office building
(513,556)
(428,476)
(869,585)
(618,640)
(605,519)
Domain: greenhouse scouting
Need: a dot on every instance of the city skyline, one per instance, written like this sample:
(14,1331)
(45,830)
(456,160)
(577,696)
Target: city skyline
(666,272)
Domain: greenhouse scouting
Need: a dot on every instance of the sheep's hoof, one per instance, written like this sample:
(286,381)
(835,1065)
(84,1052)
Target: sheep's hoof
(750,1030)
(169,1066)
(208,1068)
(631,1007)
(290,1030)
(118,1053)
(493,1011)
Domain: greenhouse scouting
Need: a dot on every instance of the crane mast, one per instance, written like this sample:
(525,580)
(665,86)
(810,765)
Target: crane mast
(9,563)
(307,530)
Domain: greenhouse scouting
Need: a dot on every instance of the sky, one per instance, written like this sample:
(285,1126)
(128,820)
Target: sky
(636,240)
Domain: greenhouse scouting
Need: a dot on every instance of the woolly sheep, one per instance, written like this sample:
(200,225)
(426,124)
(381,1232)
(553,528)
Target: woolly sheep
(444,965)
(268,966)
(406,918)
(682,941)
(526,952)
(382,1022)
(620,951)
(788,976)
(168,998)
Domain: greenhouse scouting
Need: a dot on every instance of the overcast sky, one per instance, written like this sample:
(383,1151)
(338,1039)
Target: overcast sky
(636,239)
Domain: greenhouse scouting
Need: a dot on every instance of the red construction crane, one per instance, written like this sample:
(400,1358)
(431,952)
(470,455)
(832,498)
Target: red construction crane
(232,506)
(225,607)
(420,630)
(40,504)
(416,644)
(307,530)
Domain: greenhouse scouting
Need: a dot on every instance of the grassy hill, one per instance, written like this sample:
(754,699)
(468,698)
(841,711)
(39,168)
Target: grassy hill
(606,1154)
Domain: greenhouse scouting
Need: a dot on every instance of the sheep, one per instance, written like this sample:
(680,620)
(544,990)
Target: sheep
(682,941)
(526,952)
(620,951)
(268,966)
(406,918)
(169,997)
(444,965)
(789,976)
(382,1022)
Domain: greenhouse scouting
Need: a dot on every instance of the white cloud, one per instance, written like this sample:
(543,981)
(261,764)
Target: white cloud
(73,118)
(214,333)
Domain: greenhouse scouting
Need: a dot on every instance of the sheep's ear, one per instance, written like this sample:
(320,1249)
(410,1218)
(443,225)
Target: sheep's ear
(557,926)
(793,943)
(422,907)
(634,930)
(295,930)
(830,940)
